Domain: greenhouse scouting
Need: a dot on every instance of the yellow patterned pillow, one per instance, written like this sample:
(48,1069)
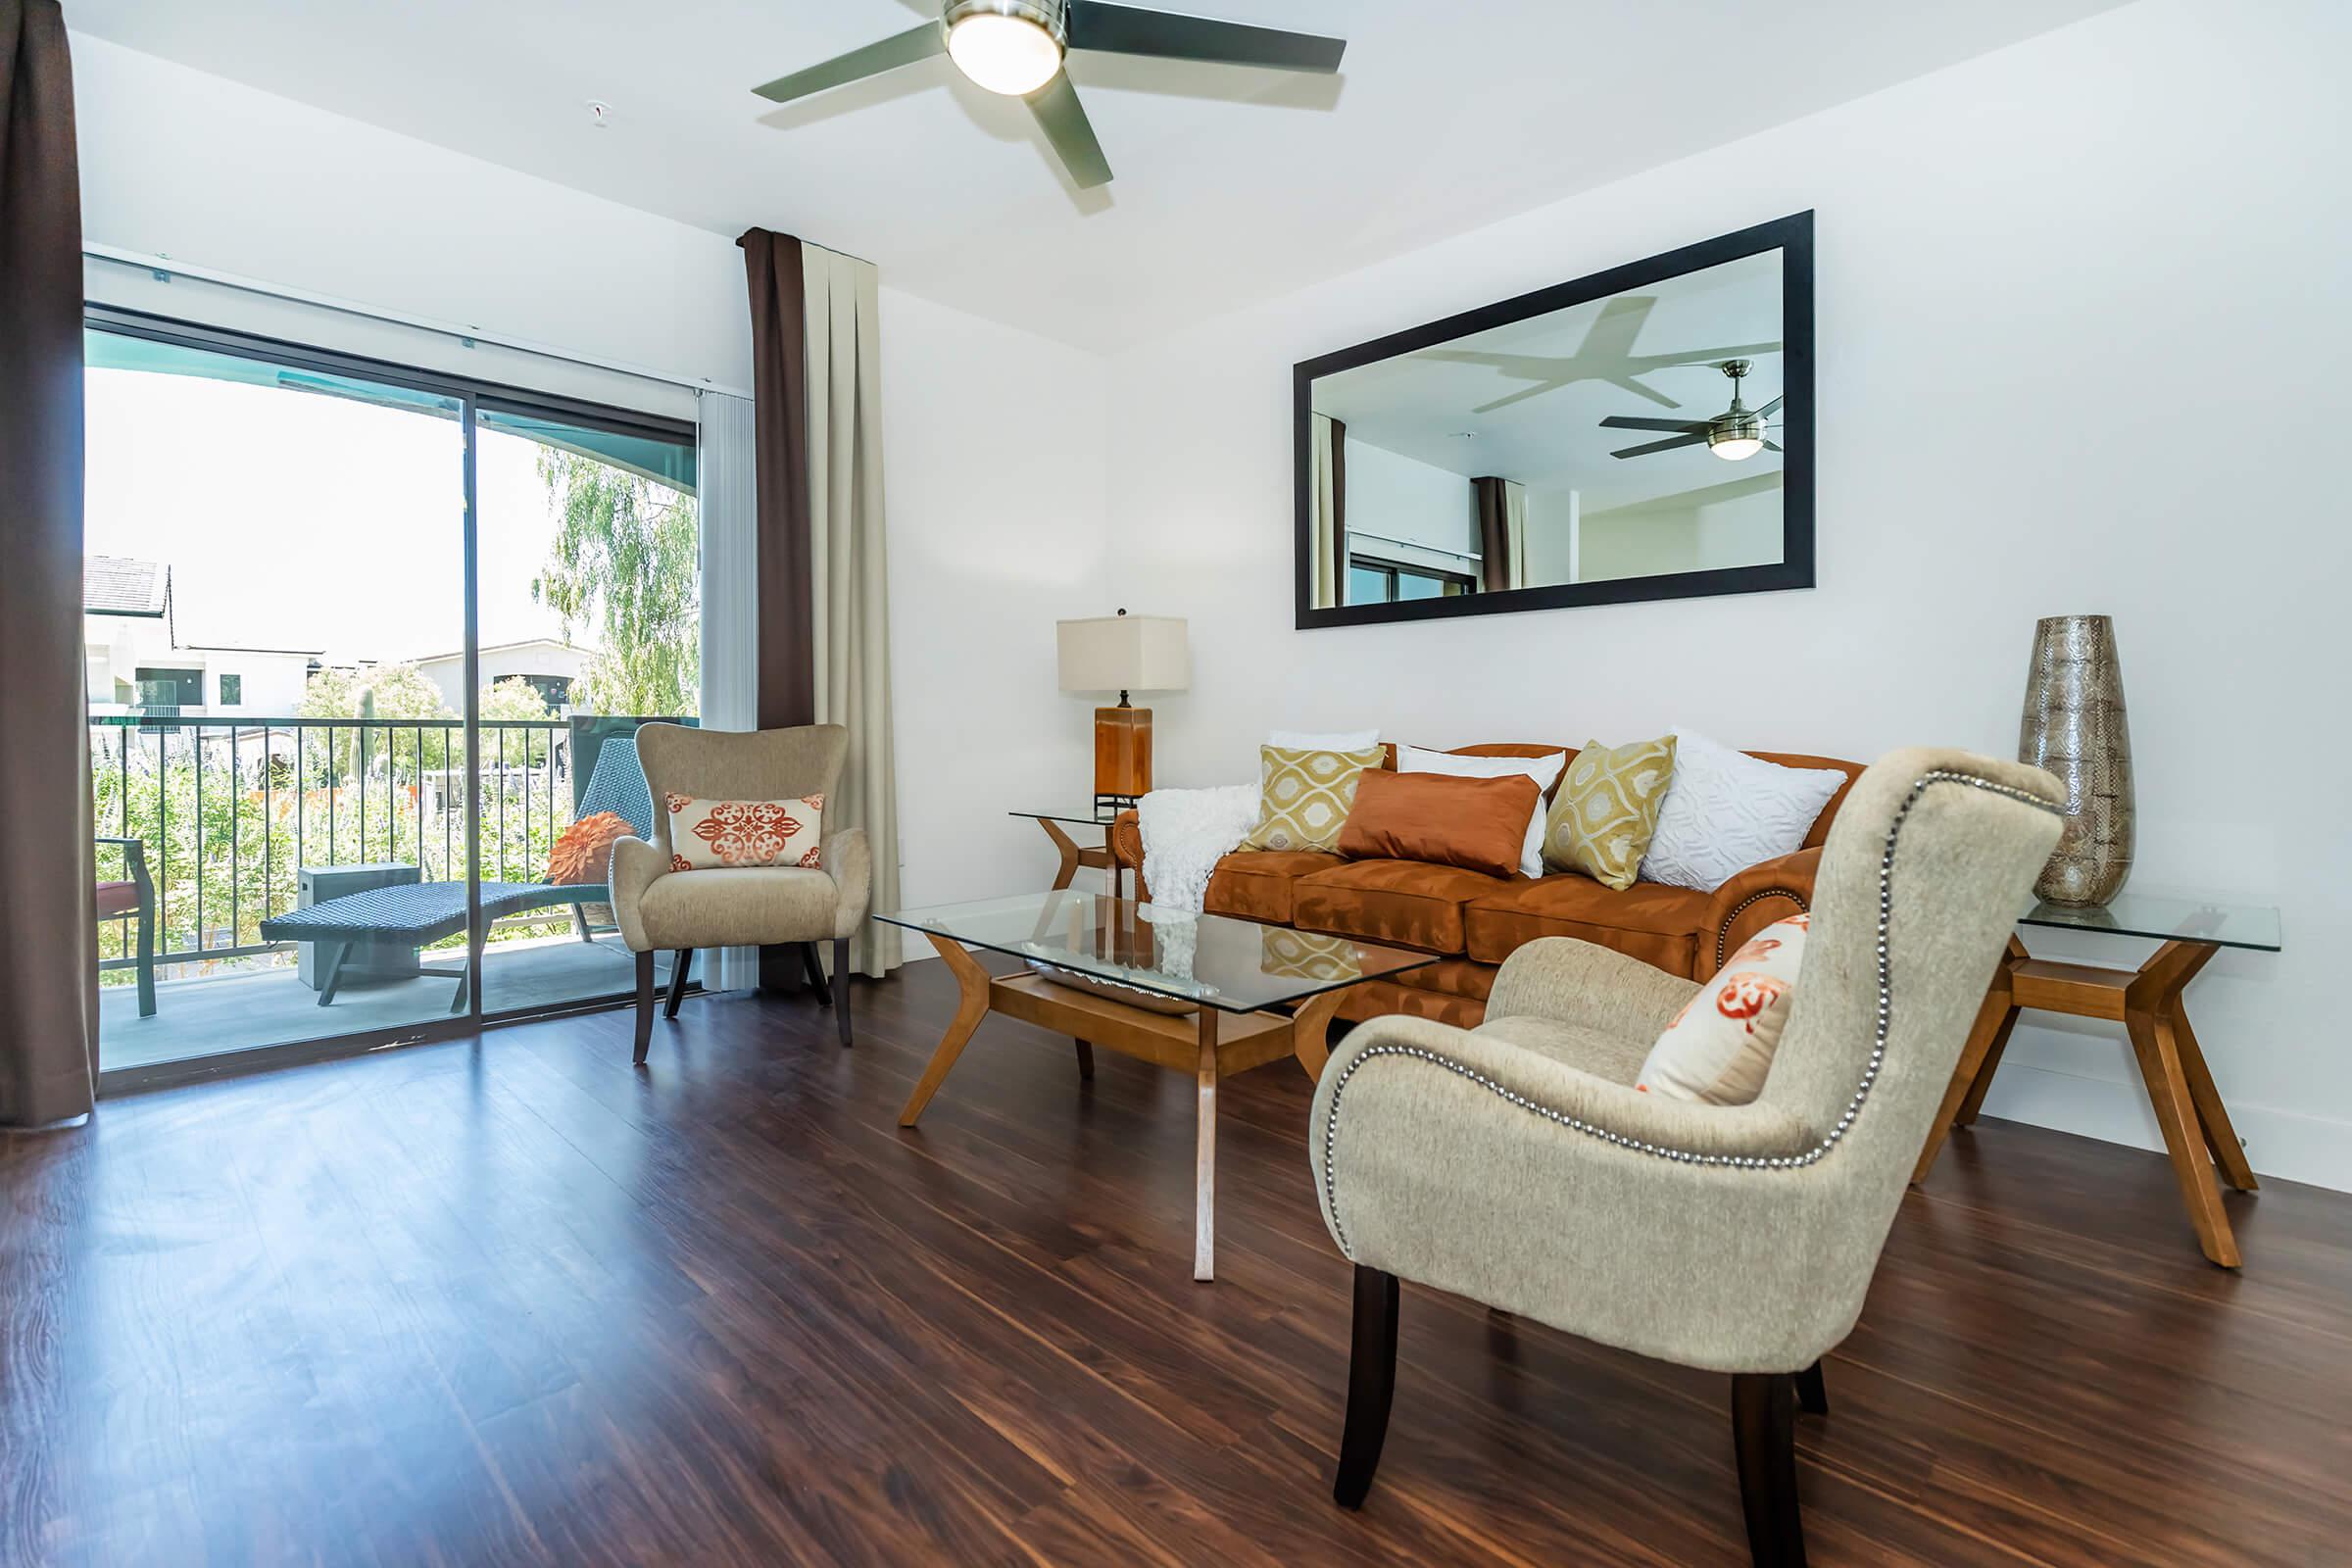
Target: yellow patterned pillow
(1304,796)
(1607,808)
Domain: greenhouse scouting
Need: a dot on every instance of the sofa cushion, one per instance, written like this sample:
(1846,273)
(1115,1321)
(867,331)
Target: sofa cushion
(1649,921)
(1403,902)
(1256,883)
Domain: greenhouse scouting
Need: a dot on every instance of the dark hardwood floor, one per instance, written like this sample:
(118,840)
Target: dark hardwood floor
(508,1302)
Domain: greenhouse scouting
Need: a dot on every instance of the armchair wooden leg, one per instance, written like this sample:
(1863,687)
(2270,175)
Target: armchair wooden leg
(814,969)
(1371,1385)
(645,1005)
(1812,1394)
(1764,1436)
(841,989)
(1086,1062)
(681,968)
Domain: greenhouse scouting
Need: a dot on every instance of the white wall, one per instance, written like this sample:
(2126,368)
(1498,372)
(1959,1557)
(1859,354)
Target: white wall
(1395,498)
(993,452)
(2109,263)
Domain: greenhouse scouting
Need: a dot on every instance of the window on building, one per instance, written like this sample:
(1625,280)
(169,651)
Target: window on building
(170,688)
(232,690)
(1374,581)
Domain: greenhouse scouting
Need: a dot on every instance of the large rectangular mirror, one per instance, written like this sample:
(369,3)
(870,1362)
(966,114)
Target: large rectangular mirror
(1642,433)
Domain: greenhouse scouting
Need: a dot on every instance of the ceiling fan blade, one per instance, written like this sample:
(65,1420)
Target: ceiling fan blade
(1659,446)
(899,49)
(1066,126)
(1628,421)
(1133,30)
(1771,409)
(1772,446)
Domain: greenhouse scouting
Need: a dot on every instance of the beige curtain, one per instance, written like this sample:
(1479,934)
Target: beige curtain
(1514,527)
(850,616)
(1324,545)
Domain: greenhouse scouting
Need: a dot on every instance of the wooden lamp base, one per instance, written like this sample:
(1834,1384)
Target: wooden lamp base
(1122,756)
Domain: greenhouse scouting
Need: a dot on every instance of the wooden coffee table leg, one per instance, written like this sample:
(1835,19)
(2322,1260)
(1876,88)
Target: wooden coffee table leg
(1205,1157)
(969,1010)
(1309,1026)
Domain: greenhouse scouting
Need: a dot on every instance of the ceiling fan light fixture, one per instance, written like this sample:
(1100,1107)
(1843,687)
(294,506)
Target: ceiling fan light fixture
(1736,442)
(1011,47)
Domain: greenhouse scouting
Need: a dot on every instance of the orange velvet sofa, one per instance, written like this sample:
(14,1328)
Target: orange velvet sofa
(1474,921)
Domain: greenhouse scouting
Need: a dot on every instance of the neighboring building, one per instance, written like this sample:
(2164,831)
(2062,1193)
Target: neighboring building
(550,665)
(133,659)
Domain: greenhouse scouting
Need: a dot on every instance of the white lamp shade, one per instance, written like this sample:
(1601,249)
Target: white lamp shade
(1124,653)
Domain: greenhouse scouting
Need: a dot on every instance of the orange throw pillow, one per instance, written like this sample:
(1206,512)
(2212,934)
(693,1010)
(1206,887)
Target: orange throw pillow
(583,852)
(1476,823)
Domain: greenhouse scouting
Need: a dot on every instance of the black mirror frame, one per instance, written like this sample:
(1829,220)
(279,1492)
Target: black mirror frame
(1792,237)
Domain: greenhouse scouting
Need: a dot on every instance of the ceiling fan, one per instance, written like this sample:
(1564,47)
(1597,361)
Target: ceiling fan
(1016,48)
(1736,434)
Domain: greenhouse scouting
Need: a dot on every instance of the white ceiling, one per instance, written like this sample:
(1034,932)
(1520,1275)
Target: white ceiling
(1233,185)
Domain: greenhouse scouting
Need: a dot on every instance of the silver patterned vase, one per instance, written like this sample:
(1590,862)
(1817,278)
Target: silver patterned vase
(2075,726)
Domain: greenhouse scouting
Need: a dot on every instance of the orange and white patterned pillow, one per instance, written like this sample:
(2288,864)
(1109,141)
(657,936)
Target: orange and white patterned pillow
(1720,1046)
(725,835)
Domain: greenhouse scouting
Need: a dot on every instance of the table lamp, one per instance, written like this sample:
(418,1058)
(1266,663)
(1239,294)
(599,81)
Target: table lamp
(1123,653)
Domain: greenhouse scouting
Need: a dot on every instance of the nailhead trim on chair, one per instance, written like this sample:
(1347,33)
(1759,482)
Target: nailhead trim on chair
(1722,941)
(1869,1073)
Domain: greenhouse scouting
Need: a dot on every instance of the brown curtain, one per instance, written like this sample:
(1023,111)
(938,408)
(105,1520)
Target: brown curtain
(1493,534)
(787,659)
(1339,495)
(48,913)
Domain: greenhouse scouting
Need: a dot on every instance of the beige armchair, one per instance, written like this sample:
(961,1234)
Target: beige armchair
(660,908)
(1516,1164)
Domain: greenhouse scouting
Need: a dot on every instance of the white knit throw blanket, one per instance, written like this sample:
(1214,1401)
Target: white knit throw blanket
(1186,832)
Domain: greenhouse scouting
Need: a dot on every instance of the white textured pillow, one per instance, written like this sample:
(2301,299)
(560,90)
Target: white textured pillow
(1544,771)
(1346,740)
(1719,1047)
(1726,811)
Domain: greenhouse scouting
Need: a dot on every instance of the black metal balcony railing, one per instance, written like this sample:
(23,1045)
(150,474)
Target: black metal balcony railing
(230,808)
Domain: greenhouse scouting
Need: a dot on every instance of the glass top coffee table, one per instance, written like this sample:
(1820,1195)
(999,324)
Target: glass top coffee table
(1206,995)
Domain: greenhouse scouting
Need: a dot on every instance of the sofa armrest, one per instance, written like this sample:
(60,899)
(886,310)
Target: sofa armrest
(1575,982)
(1127,850)
(635,865)
(1768,891)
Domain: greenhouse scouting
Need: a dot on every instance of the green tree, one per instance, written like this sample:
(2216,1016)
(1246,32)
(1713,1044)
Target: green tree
(517,700)
(623,561)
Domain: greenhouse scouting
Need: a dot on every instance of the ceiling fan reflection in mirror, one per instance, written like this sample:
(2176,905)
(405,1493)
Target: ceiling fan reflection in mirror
(1016,48)
(1736,434)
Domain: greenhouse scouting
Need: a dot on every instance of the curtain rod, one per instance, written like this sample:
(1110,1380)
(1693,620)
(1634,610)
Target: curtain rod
(1414,544)
(164,269)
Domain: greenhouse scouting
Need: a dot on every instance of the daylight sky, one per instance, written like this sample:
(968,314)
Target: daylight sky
(291,519)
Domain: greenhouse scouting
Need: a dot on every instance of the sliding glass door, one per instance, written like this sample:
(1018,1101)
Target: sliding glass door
(363,647)
(589,609)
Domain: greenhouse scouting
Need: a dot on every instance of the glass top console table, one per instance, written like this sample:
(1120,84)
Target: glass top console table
(2147,1003)
(1073,853)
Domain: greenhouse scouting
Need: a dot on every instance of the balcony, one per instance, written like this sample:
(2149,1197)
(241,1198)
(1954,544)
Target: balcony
(233,814)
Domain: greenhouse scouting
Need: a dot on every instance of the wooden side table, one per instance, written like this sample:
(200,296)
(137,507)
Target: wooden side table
(2147,1003)
(1075,854)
